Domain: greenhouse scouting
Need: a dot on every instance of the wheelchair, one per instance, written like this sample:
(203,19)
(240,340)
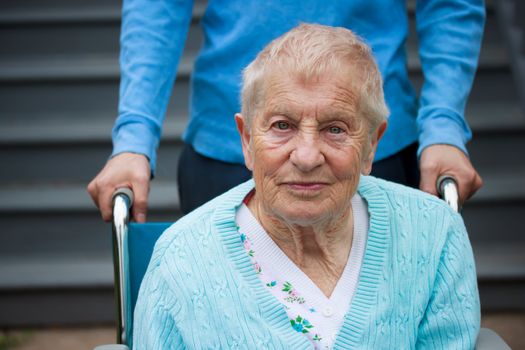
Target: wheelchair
(133,246)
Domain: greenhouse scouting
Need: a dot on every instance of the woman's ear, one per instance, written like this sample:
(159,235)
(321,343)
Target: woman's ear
(244,132)
(368,159)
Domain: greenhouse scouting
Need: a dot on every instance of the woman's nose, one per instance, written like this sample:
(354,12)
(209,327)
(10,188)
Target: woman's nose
(307,155)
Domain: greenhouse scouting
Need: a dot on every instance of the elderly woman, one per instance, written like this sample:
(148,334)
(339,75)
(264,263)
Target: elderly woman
(312,253)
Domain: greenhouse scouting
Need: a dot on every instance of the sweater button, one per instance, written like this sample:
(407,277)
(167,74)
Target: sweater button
(328,311)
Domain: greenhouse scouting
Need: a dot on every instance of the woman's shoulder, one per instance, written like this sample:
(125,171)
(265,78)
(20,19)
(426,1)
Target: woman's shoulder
(412,211)
(184,252)
(195,236)
(189,230)
(396,194)
(419,225)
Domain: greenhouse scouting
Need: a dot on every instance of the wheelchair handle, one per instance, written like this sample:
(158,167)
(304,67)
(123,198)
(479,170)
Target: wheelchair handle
(124,191)
(122,202)
(447,188)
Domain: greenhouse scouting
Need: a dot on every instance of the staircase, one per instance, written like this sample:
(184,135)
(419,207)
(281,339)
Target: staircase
(58,99)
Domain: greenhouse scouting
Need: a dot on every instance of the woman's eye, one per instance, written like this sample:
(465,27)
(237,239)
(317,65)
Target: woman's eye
(335,130)
(282,125)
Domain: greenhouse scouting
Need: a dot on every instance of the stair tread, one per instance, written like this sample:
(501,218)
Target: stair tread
(57,128)
(85,67)
(500,261)
(56,272)
(66,197)
(72,12)
(501,186)
(73,197)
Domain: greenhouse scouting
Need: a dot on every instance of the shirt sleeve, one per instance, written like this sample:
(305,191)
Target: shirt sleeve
(152,39)
(452,316)
(449,33)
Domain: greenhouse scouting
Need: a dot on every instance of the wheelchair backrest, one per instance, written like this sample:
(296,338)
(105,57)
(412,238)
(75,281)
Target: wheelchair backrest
(141,241)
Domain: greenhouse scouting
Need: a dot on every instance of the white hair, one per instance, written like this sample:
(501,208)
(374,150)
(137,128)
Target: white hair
(308,51)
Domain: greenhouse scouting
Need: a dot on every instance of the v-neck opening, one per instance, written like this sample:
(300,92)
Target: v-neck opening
(302,282)
(373,261)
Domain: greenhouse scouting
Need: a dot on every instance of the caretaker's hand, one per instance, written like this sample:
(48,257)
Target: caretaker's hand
(123,170)
(437,160)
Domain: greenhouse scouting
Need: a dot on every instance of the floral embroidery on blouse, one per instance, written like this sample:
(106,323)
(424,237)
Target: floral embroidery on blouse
(299,323)
(271,284)
(292,294)
(247,244)
(257,267)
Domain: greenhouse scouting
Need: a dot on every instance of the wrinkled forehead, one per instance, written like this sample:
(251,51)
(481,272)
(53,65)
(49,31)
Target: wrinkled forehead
(330,90)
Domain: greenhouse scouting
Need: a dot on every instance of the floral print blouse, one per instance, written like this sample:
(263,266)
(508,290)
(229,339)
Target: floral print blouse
(311,313)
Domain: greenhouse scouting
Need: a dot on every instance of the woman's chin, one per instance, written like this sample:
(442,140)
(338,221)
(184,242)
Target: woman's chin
(303,215)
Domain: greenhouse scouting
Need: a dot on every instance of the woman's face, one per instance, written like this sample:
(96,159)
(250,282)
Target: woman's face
(307,147)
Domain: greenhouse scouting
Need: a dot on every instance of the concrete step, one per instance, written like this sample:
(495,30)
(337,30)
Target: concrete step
(503,194)
(59,11)
(71,197)
(64,234)
(92,52)
(61,196)
(95,306)
(29,102)
(73,271)
(28,11)
(79,291)
(63,14)
(80,31)
(93,66)
(54,306)
(83,128)
(53,221)
(83,149)
(85,67)
(58,127)
(87,29)
(498,152)
(493,262)
(493,104)
(62,162)
(502,261)
(501,187)
(510,15)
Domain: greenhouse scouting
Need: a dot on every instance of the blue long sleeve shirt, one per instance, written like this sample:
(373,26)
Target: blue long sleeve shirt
(154,33)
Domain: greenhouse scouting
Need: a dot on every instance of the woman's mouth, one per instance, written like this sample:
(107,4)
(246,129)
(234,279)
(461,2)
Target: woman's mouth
(306,186)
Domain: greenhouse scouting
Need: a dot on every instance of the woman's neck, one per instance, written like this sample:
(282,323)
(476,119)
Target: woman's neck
(320,250)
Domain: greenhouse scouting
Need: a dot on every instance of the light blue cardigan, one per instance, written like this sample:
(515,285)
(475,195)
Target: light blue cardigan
(417,285)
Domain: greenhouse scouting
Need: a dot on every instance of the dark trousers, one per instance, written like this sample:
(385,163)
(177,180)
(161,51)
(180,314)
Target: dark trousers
(201,178)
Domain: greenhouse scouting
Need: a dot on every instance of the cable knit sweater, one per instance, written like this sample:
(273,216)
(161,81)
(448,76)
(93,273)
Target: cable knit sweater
(416,290)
